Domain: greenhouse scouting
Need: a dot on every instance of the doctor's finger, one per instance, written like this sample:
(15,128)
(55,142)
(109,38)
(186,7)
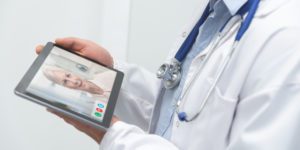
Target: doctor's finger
(39,48)
(72,43)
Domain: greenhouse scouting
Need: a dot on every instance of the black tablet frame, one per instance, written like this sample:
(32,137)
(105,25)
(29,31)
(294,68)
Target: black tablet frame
(20,90)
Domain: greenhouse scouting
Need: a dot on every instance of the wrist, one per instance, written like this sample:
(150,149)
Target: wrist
(114,120)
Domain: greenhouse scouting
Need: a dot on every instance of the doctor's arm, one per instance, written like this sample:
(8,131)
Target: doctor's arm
(268,114)
(138,94)
(139,90)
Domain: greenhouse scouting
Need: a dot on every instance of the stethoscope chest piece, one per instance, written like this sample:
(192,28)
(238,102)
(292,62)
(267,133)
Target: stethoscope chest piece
(170,74)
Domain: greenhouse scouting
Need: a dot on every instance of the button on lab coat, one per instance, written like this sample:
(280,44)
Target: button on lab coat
(255,104)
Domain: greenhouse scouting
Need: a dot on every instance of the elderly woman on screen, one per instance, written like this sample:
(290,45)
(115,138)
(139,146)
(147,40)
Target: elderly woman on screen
(72,81)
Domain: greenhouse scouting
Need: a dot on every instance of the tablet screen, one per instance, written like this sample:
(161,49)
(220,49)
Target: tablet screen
(75,83)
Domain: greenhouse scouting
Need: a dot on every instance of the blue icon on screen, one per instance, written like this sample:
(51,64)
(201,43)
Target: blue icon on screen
(100,105)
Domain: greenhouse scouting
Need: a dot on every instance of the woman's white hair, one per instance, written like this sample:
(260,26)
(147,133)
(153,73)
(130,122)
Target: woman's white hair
(48,71)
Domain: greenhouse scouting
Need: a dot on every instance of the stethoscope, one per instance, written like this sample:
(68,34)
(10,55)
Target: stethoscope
(170,73)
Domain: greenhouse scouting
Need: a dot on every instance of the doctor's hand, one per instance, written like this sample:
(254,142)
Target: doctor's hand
(94,133)
(85,48)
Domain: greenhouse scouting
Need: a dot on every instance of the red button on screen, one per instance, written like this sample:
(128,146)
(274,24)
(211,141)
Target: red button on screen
(99,110)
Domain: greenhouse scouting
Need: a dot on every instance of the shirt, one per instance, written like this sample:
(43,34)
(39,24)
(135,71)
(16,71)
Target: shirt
(221,11)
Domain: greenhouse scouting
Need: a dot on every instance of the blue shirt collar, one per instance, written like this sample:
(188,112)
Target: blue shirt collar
(232,5)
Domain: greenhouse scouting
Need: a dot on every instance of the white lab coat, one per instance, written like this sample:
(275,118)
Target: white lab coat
(255,105)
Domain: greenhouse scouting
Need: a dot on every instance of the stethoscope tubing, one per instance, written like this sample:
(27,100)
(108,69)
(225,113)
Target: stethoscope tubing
(212,87)
(243,28)
(219,73)
(187,44)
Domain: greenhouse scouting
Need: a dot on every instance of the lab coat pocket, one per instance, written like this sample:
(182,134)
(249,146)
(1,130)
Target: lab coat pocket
(216,101)
(219,114)
(219,101)
(225,106)
(195,96)
(214,120)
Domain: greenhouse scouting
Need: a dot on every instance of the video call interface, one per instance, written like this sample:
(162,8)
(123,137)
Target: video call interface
(74,83)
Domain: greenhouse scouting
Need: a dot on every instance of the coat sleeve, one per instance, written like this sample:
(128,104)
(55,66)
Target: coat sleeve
(122,136)
(268,114)
(137,96)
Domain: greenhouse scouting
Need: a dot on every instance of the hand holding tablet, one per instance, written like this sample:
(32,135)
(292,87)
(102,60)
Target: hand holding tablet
(74,85)
(84,48)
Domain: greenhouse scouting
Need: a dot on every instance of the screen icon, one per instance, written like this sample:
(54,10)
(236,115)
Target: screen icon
(100,105)
(99,109)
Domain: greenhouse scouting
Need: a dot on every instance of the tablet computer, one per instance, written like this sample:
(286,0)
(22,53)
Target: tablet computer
(76,86)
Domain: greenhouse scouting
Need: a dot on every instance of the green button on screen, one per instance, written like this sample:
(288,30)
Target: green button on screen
(98,114)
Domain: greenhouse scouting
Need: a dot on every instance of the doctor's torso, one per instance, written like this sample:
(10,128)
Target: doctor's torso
(241,95)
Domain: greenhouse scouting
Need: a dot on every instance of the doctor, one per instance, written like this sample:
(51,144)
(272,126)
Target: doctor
(230,96)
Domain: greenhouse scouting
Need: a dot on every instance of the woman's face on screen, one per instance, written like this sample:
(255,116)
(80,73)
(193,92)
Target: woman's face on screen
(72,81)
(67,79)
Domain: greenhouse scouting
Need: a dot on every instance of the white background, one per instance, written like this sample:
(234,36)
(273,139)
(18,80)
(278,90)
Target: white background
(140,31)
(154,27)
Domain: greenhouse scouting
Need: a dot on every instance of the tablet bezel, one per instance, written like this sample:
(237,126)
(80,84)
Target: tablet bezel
(20,90)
